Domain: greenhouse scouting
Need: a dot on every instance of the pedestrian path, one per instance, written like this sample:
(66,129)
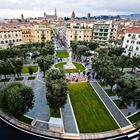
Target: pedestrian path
(68,119)
(118,115)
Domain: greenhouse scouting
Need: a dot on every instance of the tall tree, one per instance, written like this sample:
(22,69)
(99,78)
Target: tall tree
(111,75)
(128,89)
(135,62)
(82,50)
(45,63)
(5,68)
(30,69)
(122,62)
(48,50)
(56,86)
(16,99)
(16,64)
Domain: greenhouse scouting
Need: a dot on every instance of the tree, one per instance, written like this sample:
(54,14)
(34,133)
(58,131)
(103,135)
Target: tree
(116,51)
(122,62)
(82,50)
(45,63)
(73,45)
(128,89)
(5,68)
(111,75)
(17,64)
(92,45)
(103,54)
(48,50)
(135,62)
(30,69)
(56,86)
(16,99)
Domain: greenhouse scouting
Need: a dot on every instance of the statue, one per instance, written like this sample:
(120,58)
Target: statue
(69,64)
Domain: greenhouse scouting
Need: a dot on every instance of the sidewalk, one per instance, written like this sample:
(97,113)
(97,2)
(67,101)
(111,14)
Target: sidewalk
(68,119)
(118,115)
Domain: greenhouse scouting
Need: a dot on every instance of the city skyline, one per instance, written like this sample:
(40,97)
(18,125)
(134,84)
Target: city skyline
(14,8)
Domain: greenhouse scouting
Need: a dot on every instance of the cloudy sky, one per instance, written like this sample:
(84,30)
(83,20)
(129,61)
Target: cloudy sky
(32,8)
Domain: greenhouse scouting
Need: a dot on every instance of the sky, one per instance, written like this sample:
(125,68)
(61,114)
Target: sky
(36,8)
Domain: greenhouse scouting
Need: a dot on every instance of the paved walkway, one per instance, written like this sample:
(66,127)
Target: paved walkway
(41,109)
(120,118)
(68,120)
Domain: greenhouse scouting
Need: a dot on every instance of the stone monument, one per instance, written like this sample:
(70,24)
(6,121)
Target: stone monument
(69,64)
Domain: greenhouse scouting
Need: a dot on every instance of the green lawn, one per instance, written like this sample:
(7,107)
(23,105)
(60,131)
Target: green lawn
(119,104)
(91,114)
(26,120)
(135,118)
(62,54)
(25,69)
(79,67)
(110,94)
(55,114)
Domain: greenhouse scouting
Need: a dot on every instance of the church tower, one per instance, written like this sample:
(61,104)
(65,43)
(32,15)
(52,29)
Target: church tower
(73,15)
(45,15)
(22,17)
(55,14)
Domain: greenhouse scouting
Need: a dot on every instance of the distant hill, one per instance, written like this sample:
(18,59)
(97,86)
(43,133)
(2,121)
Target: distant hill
(131,16)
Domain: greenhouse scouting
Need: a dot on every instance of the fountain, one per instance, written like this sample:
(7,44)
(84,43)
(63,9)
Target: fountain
(69,64)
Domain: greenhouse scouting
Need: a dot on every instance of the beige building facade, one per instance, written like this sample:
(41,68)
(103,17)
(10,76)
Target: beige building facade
(78,33)
(34,34)
(10,37)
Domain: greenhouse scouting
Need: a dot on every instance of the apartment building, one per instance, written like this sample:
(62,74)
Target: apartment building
(78,33)
(131,42)
(35,33)
(104,31)
(10,37)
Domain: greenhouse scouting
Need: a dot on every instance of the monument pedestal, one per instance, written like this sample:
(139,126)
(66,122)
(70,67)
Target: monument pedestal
(69,66)
(56,124)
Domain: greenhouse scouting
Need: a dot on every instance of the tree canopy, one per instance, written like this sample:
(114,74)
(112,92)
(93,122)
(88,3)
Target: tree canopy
(16,99)
(56,86)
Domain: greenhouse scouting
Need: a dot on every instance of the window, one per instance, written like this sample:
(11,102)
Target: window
(130,48)
(126,46)
(129,35)
(137,48)
(127,41)
(133,42)
(6,41)
(79,36)
(2,42)
(71,36)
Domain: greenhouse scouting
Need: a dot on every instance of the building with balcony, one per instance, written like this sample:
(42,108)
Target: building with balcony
(104,31)
(35,33)
(131,42)
(78,33)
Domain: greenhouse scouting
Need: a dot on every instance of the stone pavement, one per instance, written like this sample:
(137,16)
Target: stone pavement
(68,120)
(119,117)
(41,109)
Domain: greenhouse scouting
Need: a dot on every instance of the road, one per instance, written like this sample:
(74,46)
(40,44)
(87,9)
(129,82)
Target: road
(8,132)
